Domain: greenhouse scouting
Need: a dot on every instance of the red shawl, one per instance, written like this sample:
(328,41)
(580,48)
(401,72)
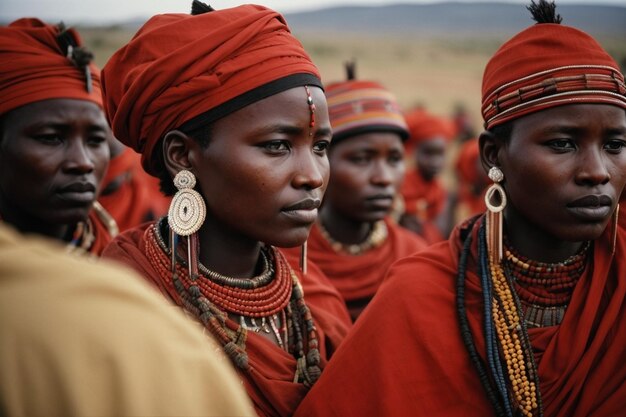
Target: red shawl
(358,277)
(102,236)
(405,355)
(425,200)
(270,385)
(137,199)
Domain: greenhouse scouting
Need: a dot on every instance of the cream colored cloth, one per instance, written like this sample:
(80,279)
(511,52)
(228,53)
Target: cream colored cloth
(79,338)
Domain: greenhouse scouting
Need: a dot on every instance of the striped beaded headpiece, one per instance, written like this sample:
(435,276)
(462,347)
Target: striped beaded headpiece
(357,107)
(548,65)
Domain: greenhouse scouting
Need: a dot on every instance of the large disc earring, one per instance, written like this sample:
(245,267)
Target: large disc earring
(185,217)
(495,199)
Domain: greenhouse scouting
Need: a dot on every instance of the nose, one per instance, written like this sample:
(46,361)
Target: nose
(593,168)
(383,174)
(311,171)
(78,158)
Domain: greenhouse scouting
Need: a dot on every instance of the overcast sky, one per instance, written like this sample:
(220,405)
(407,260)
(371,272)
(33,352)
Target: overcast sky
(76,11)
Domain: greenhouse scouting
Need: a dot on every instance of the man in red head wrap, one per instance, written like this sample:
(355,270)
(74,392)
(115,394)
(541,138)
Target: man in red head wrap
(53,143)
(227,109)
(427,209)
(354,241)
(521,312)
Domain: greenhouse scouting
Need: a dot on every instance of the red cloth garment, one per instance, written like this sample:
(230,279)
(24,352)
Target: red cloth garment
(35,68)
(270,384)
(425,200)
(130,195)
(405,355)
(472,180)
(179,66)
(358,277)
(102,235)
(548,65)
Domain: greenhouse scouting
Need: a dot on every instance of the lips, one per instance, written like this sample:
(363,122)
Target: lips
(379,202)
(591,207)
(78,192)
(303,211)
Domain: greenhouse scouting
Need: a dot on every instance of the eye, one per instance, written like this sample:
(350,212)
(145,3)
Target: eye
(321,147)
(562,145)
(615,146)
(49,138)
(276,146)
(96,140)
(360,159)
(395,159)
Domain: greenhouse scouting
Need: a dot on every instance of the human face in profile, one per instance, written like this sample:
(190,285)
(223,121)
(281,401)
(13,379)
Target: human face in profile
(265,170)
(53,156)
(366,173)
(565,168)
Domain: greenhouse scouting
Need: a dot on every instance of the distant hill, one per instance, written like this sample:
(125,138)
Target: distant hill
(453,18)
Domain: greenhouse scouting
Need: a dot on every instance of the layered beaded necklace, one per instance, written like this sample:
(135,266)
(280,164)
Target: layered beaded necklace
(544,289)
(376,237)
(270,302)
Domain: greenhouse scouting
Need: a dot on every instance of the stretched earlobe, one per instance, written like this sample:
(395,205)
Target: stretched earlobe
(176,147)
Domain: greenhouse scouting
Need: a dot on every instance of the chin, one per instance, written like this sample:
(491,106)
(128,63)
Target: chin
(291,239)
(583,233)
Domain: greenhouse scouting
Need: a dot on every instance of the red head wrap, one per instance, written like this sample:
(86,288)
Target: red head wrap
(357,107)
(188,70)
(35,67)
(424,126)
(548,65)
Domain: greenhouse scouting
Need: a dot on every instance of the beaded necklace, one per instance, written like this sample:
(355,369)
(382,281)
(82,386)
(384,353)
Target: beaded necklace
(274,298)
(544,289)
(377,236)
(510,377)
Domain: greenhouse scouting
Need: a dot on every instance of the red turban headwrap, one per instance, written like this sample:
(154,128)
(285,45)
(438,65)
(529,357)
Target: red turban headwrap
(357,107)
(36,66)
(425,126)
(185,71)
(548,65)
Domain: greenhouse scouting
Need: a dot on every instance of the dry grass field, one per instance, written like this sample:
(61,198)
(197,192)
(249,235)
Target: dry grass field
(434,71)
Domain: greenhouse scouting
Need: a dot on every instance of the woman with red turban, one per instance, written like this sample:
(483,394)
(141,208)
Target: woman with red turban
(227,109)
(522,311)
(354,242)
(53,143)
(427,209)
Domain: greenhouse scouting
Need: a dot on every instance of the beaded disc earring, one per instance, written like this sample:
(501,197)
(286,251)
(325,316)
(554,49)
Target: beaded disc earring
(495,199)
(185,217)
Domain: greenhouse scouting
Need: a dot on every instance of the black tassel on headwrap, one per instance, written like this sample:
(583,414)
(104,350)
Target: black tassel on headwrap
(197,7)
(351,70)
(79,55)
(544,12)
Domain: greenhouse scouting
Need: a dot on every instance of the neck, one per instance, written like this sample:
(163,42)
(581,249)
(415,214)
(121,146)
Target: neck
(25,223)
(344,229)
(226,251)
(536,244)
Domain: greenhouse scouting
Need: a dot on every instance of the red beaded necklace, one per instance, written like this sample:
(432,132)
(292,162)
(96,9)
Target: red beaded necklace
(210,297)
(544,289)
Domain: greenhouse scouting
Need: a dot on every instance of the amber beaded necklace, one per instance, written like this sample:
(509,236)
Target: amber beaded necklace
(377,236)
(544,289)
(274,298)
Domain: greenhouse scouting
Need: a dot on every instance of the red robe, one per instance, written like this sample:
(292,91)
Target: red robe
(426,200)
(102,236)
(270,385)
(136,198)
(405,355)
(358,277)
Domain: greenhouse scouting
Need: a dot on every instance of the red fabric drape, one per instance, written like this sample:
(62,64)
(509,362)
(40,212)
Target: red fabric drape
(358,277)
(270,385)
(137,199)
(405,355)
(425,200)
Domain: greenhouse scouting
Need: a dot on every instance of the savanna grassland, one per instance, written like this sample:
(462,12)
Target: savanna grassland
(438,72)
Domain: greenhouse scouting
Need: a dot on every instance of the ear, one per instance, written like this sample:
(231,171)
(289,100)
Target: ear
(489,147)
(176,149)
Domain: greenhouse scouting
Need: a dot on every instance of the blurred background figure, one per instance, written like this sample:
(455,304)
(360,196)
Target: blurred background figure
(472,181)
(85,339)
(129,193)
(53,136)
(354,241)
(427,205)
